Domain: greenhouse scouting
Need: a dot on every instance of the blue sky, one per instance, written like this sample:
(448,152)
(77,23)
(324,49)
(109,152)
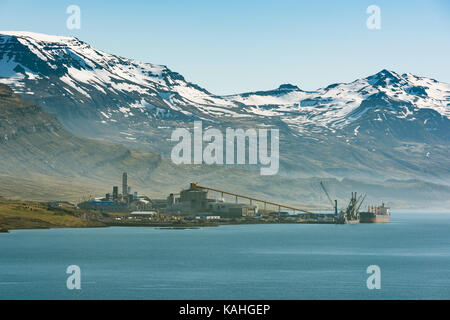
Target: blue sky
(238,46)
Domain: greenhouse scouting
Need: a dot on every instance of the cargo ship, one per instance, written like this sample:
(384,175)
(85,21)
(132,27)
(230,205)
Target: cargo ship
(375,214)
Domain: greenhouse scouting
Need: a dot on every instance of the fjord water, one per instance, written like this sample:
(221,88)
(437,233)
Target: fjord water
(288,261)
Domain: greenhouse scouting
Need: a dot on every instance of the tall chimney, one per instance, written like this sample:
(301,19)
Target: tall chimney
(124,184)
(115,193)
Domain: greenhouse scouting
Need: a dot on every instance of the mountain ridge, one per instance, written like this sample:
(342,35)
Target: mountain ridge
(383,126)
(51,51)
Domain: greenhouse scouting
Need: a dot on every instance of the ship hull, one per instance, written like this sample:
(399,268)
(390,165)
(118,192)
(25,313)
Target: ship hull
(345,221)
(367,217)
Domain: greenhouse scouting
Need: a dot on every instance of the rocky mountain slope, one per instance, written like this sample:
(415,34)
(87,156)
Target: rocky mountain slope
(385,126)
(32,141)
(40,160)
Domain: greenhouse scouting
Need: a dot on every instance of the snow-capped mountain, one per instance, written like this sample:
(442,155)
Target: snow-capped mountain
(124,88)
(387,119)
(53,66)
(339,104)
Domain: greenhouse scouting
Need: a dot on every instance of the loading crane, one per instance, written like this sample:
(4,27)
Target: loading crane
(352,211)
(362,200)
(333,205)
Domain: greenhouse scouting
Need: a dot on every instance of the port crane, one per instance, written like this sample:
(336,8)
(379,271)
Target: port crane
(352,211)
(333,205)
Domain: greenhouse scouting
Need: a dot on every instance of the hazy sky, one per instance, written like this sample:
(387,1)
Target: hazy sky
(237,46)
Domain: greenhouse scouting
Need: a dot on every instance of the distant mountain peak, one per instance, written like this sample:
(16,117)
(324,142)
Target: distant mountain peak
(387,73)
(384,77)
(106,86)
(288,87)
(38,36)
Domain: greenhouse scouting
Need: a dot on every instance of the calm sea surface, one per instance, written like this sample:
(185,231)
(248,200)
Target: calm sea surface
(233,262)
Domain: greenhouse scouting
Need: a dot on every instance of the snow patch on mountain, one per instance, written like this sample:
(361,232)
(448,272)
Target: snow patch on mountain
(120,86)
(336,105)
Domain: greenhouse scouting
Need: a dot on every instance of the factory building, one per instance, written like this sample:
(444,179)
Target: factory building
(116,202)
(195,200)
(232,210)
(141,203)
(191,201)
(104,206)
(159,204)
(204,216)
(144,214)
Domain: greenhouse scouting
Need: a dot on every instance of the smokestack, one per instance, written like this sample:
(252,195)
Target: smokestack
(124,184)
(115,193)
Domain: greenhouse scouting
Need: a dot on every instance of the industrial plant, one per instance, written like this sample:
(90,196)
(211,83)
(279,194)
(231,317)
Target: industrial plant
(196,203)
(126,201)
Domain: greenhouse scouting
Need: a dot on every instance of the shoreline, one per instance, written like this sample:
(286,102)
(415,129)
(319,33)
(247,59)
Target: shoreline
(48,228)
(163,226)
(160,225)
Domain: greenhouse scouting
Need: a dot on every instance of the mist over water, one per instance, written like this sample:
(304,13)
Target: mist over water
(289,261)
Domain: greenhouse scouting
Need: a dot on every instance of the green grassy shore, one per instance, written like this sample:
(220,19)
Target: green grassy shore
(16,214)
